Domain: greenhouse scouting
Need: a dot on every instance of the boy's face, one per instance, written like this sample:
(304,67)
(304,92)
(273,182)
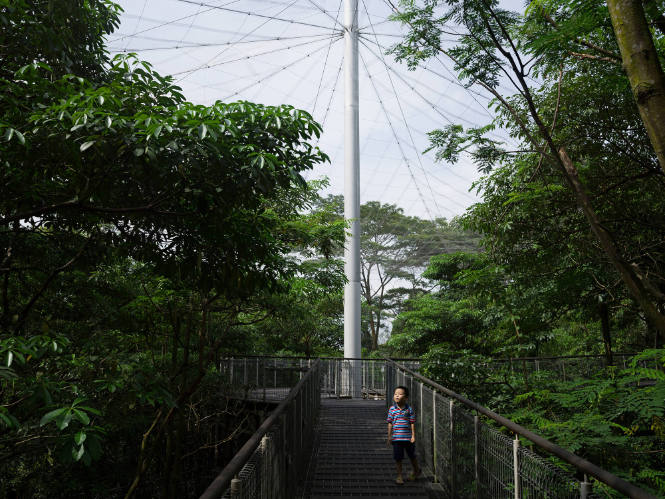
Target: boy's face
(399,396)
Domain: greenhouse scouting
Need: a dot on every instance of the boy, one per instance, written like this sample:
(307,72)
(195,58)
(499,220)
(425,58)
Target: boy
(402,432)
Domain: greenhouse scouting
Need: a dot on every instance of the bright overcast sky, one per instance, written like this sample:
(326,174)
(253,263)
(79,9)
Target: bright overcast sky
(290,52)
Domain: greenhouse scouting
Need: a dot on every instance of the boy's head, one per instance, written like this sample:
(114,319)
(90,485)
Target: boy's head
(401,395)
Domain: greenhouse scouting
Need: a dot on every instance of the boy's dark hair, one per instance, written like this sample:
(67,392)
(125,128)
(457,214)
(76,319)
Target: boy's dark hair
(406,390)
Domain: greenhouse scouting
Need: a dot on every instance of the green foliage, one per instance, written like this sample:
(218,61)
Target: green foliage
(615,419)
(140,236)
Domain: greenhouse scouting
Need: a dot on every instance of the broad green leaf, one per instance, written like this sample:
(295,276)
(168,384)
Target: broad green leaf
(50,416)
(63,421)
(80,437)
(82,416)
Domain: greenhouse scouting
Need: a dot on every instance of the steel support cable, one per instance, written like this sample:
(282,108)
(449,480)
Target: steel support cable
(189,28)
(140,18)
(404,158)
(254,14)
(258,54)
(401,110)
(291,64)
(452,172)
(410,85)
(332,94)
(385,21)
(325,62)
(429,102)
(167,22)
(192,71)
(195,27)
(467,180)
(335,19)
(200,45)
(397,138)
(399,144)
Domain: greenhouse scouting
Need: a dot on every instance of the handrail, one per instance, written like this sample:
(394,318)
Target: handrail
(580,463)
(223,480)
(378,359)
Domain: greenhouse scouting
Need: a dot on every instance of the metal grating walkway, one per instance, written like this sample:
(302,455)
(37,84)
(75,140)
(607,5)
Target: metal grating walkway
(350,456)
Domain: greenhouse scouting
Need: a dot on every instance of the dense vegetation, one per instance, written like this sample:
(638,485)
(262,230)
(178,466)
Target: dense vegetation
(143,237)
(571,222)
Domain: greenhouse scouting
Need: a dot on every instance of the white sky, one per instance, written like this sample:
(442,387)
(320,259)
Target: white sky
(218,54)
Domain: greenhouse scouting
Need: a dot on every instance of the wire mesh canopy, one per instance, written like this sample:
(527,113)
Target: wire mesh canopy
(291,52)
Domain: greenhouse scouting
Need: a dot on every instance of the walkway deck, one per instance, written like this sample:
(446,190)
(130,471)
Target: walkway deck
(351,458)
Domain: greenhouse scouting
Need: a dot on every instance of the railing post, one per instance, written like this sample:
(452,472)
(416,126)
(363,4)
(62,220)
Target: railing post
(434,450)
(476,453)
(420,417)
(245,379)
(266,489)
(585,488)
(516,467)
(236,487)
(371,377)
(451,429)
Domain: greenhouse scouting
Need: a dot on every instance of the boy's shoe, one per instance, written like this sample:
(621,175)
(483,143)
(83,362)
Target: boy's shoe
(399,480)
(415,474)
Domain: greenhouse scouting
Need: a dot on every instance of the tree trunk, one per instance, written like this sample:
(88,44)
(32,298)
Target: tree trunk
(640,61)
(605,327)
(627,273)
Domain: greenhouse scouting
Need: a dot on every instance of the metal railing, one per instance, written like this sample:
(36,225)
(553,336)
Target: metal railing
(356,378)
(267,379)
(271,461)
(470,459)
(567,367)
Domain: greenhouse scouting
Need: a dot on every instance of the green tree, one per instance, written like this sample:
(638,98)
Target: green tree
(394,251)
(560,44)
(136,231)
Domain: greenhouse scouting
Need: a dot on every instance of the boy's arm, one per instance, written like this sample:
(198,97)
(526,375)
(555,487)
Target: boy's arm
(390,431)
(413,432)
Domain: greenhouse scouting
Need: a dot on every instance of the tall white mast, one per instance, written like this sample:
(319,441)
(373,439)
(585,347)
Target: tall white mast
(351,185)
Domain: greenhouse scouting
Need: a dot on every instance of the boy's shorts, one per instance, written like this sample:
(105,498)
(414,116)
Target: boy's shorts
(399,446)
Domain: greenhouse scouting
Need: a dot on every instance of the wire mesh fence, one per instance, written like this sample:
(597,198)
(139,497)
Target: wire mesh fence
(267,379)
(357,378)
(270,464)
(470,459)
(566,367)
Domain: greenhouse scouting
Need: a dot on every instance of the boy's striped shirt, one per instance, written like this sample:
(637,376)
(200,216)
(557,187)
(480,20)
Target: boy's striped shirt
(401,420)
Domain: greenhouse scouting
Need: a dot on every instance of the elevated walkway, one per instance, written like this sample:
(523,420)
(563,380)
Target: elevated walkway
(350,456)
(327,439)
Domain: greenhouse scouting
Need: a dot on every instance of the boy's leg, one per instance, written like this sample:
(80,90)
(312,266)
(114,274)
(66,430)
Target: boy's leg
(398,455)
(411,452)
(414,465)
